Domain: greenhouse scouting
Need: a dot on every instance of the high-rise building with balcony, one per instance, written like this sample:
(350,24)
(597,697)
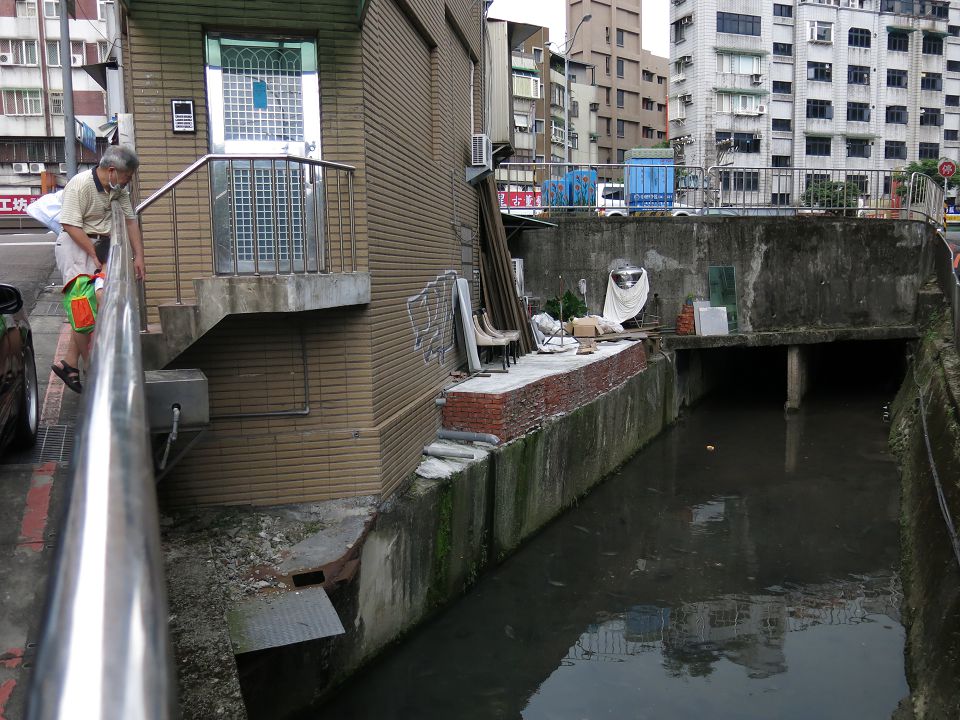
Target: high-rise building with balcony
(814,84)
(631,82)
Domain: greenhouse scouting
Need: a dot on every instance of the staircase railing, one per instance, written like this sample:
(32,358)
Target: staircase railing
(105,650)
(266,215)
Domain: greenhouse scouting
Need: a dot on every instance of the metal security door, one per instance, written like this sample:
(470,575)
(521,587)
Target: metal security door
(264,98)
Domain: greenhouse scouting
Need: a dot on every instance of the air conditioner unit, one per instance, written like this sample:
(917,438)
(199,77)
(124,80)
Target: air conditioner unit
(758,136)
(686,20)
(595,106)
(756,78)
(62,168)
(6,59)
(761,109)
(21,168)
(686,59)
(685,98)
(37,168)
(76,60)
(481,151)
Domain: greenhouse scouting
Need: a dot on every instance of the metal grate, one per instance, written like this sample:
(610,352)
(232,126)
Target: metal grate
(54,444)
(49,308)
(262,98)
(279,200)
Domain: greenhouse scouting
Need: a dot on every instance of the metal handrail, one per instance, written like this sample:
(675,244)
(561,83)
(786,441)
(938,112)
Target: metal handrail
(529,188)
(317,256)
(105,650)
(206,159)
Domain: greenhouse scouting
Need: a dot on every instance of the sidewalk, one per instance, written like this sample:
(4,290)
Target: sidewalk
(32,487)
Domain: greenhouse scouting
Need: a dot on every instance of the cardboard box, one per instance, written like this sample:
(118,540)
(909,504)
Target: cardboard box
(585,327)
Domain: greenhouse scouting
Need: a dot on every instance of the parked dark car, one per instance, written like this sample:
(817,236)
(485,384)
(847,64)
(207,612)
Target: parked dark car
(19,394)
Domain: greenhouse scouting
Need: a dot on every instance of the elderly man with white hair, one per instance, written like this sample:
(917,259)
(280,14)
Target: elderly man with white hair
(83,245)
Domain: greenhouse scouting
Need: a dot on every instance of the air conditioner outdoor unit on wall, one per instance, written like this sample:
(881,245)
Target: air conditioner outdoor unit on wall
(21,168)
(756,78)
(761,109)
(62,168)
(37,168)
(687,20)
(6,59)
(76,60)
(481,151)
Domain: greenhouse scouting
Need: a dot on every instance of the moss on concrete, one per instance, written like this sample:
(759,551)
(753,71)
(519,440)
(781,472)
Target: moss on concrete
(931,576)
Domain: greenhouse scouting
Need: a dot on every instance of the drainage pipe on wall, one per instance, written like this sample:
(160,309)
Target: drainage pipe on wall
(298,412)
(467,436)
(442,451)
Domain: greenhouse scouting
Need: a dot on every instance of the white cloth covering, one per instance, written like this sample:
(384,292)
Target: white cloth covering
(621,305)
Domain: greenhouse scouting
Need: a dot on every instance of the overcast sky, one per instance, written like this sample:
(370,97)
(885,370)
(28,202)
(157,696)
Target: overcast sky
(553,14)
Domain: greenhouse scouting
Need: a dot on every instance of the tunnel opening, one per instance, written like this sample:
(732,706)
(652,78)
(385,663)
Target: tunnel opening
(760,374)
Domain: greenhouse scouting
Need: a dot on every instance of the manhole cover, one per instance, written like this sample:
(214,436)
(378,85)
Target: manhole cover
(54,444)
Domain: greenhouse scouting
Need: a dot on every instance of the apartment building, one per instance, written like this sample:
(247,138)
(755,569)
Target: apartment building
(529,109)
(816,84)
(31,123)
(631,82)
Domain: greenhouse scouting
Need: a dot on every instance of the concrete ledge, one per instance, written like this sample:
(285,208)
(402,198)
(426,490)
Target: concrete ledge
(538,387)
(790,337)
(221,296)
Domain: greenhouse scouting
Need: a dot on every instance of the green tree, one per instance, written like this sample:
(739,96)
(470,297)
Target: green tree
(928,168)
(833,196)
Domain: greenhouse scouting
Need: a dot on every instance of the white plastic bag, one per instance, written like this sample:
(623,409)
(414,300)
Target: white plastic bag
(46,210)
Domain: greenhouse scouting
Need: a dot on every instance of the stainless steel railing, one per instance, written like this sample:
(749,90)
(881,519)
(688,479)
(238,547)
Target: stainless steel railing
(626,189)
(263,215)
(105,651)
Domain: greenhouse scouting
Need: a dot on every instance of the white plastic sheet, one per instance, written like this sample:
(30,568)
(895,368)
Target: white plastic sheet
(46,209)
(621,305)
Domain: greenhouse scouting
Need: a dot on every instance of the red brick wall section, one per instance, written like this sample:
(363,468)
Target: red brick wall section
(92,52)
(511,414)
(8,8)
(88,102)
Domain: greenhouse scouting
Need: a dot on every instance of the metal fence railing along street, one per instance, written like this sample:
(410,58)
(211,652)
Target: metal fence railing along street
(644,187)
(105,650)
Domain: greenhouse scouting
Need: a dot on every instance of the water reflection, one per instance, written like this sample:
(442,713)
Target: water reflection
(754,580)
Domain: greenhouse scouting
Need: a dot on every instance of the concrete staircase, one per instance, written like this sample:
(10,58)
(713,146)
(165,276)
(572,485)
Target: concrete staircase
(181,325)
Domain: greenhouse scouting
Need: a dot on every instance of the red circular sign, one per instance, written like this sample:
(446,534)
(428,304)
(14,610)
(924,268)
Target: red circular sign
(947,168)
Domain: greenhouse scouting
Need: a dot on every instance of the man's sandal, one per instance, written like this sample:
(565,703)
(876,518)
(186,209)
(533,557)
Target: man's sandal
(69,374)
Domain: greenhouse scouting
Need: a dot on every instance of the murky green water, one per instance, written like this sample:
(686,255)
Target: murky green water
(756,580)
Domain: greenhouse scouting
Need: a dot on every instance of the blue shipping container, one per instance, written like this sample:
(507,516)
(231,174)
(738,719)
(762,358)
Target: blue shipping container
(649,184)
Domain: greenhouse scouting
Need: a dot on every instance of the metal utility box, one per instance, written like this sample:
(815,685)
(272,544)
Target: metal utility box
(649,179)
(186,388)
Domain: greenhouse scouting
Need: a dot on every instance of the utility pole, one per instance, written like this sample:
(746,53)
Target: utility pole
(66,65)
(568,46)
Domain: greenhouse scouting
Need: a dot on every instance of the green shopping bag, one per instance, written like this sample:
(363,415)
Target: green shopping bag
(80,303)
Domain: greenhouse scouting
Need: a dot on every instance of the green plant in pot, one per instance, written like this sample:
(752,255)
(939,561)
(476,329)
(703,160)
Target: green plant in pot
(571,305)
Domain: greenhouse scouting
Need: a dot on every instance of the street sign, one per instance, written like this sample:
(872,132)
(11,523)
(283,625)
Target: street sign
(947,168)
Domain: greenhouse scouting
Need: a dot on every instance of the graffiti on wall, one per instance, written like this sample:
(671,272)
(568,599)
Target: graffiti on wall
(431,314)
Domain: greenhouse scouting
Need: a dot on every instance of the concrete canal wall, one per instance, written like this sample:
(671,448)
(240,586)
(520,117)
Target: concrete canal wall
(429,544)
(791,273)
(931,575)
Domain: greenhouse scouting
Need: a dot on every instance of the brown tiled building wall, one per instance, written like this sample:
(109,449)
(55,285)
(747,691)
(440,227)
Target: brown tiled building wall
(395,104)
